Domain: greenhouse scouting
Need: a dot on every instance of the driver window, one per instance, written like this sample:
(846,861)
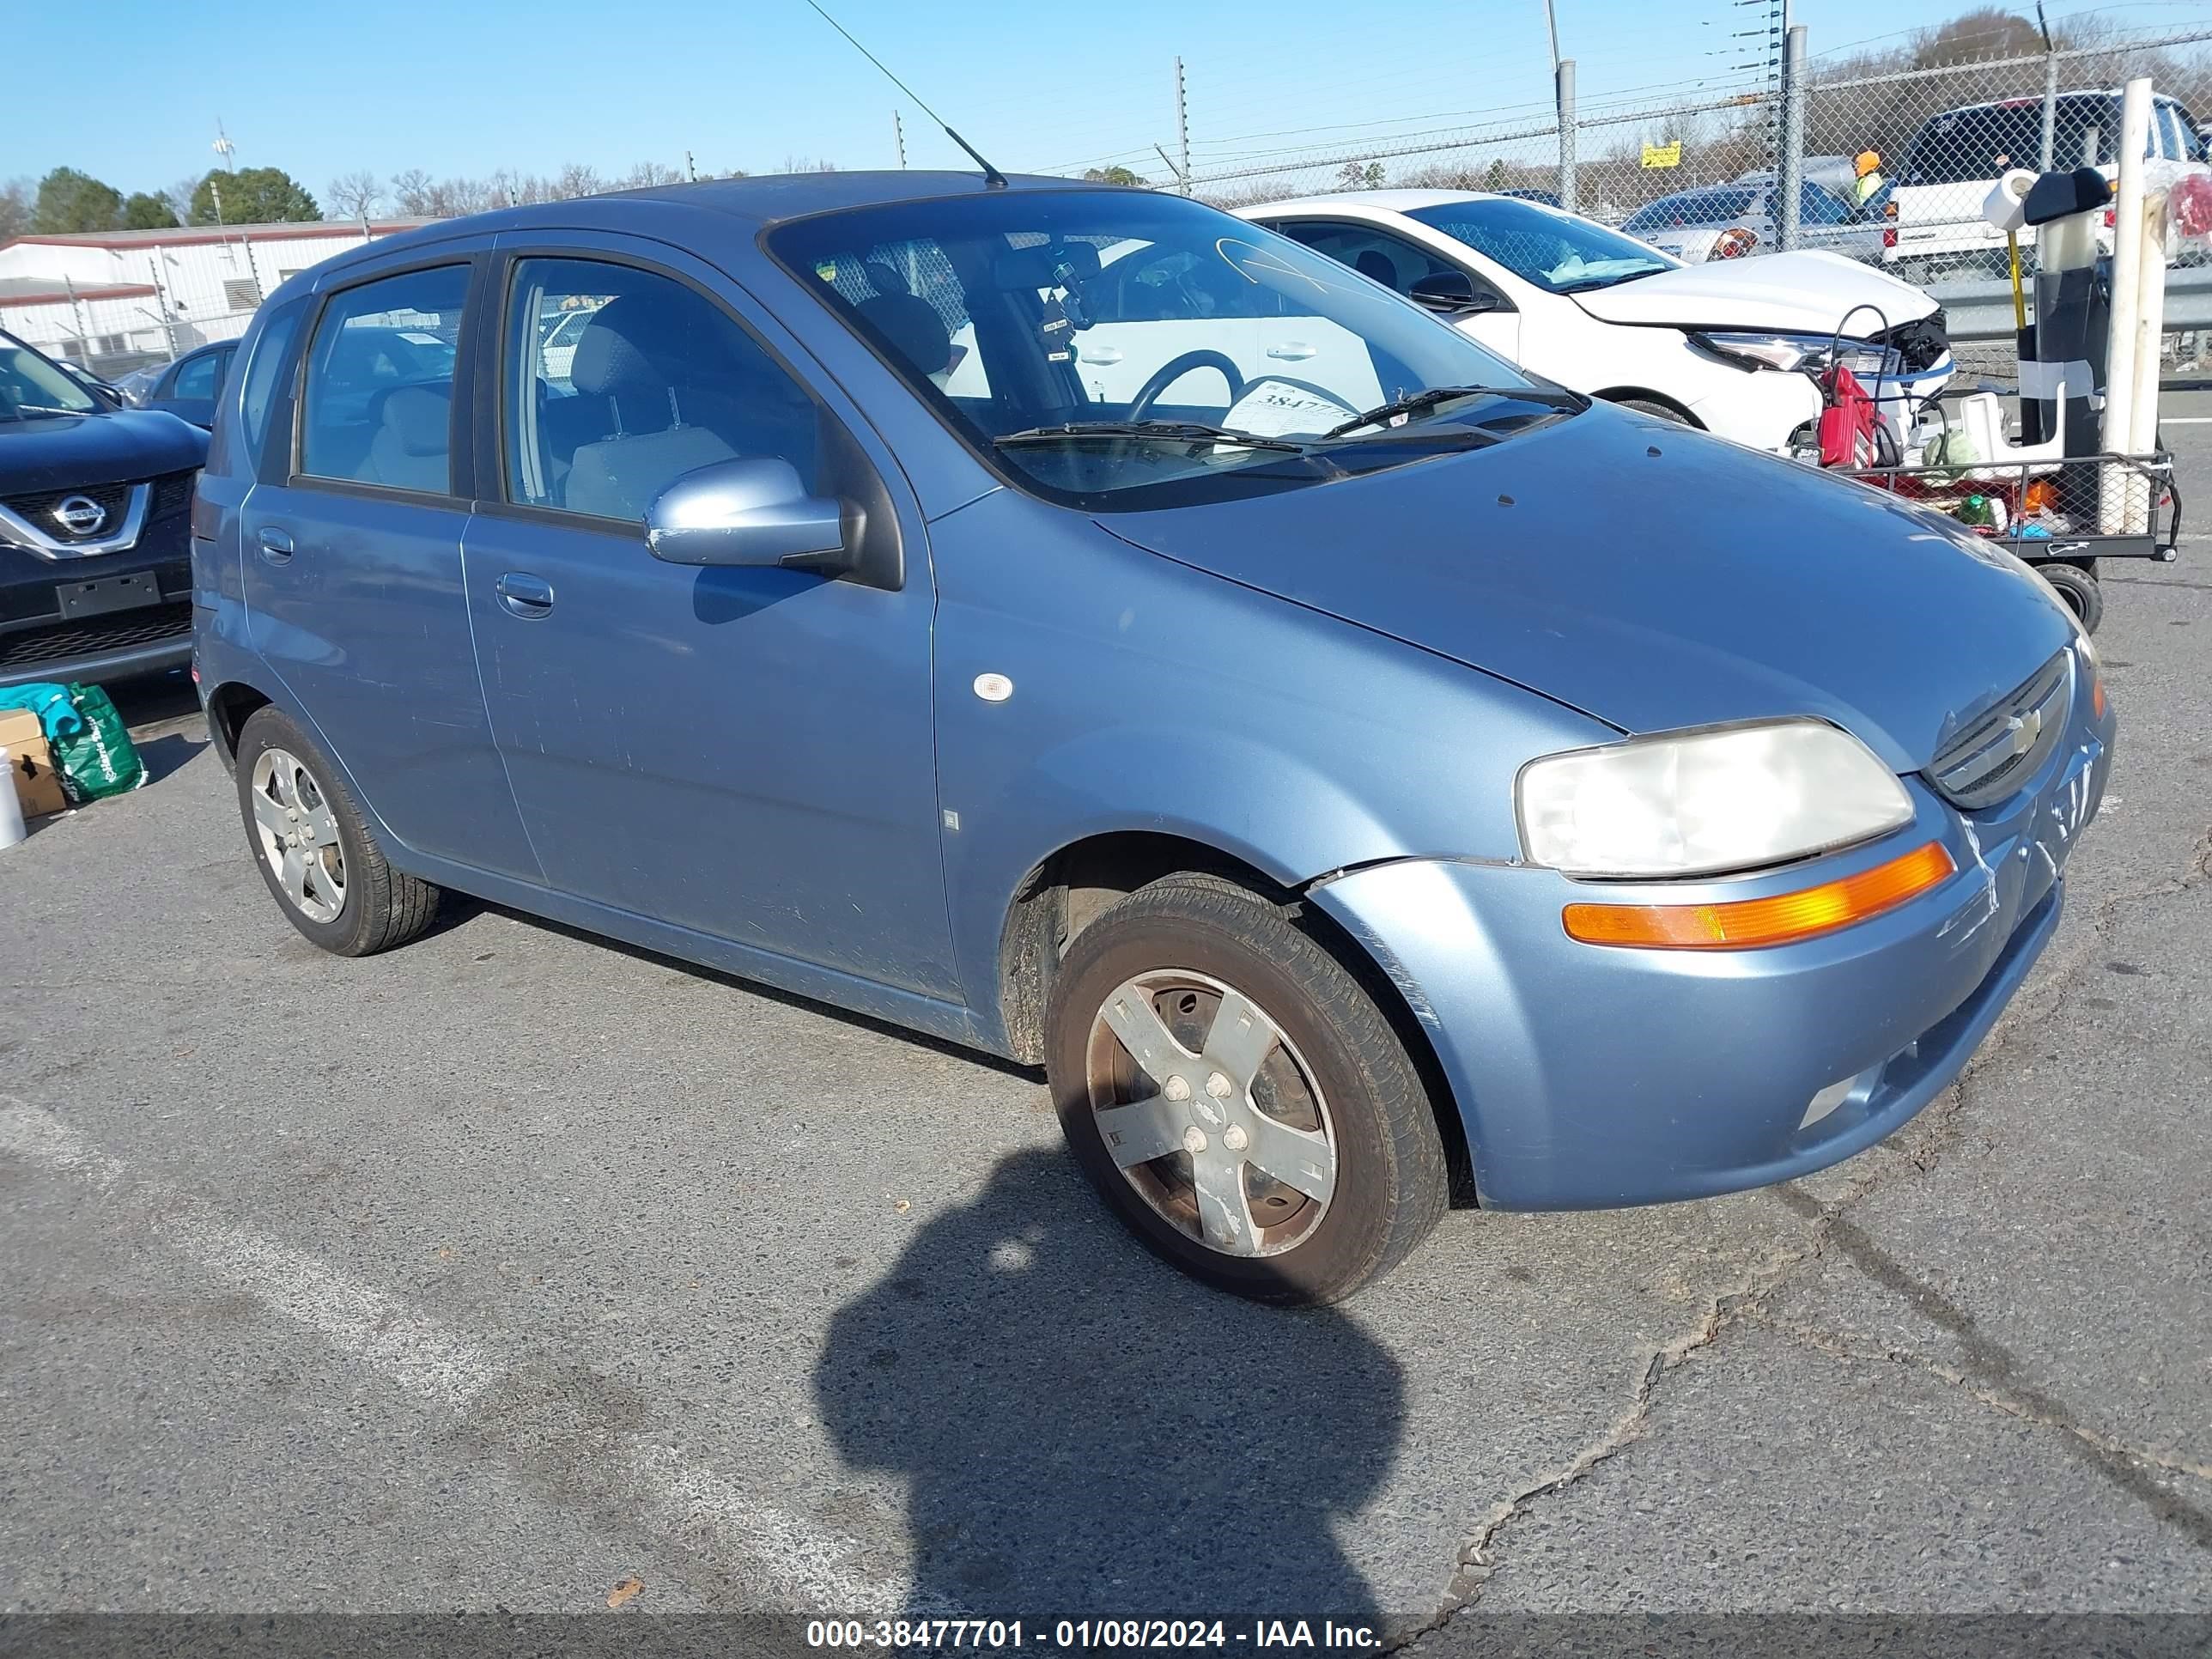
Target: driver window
(618,381)
(1390,260)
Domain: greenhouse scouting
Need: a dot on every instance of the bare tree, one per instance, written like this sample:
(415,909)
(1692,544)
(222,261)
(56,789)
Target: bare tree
(648,174)
(15,197)
(450,198)
(576,179)
(411,191)
(355,195)
(179,195)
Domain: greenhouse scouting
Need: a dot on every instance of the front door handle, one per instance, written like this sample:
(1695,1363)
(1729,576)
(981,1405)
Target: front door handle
(523,594)
(1292,351)
(275,545)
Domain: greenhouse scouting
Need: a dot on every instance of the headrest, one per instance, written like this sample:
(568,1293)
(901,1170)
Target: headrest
(630,342)
(1049,265)
(885,279)
(915,330)
(1375,264)
(420,418)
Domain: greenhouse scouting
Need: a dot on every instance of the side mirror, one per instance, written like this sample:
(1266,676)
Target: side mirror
(748,512)
(1454,292)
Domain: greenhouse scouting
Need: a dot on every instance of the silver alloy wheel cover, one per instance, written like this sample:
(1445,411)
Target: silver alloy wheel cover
(298,834)
(1188,1120)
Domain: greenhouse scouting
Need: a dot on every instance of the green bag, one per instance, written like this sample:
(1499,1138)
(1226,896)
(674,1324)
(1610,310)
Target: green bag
(91,748)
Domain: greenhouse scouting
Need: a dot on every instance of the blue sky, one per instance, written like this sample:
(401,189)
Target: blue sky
(475,85)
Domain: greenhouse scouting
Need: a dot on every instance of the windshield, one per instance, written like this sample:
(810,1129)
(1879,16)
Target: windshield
(30,386)
(1694,207)
(1553,250)
(1972,146)
(1109,348)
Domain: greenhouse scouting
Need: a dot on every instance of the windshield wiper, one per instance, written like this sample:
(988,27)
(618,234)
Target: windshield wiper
(1418,402)
(1160,431)
(1588,284)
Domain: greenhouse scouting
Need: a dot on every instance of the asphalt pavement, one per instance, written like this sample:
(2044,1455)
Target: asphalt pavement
(510,1270)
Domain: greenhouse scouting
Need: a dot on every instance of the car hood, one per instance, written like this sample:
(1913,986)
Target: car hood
(1808,292)
(58,452)
(1651,577)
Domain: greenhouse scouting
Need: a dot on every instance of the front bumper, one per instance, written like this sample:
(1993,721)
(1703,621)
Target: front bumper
(1588,1076)
(38,642)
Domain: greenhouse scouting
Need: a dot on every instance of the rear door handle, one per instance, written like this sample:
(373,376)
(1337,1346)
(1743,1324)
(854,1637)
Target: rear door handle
(1292,351)
(275,545)
(523,594)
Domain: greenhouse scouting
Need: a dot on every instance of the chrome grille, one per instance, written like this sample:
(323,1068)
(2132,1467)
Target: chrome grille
(2002,749)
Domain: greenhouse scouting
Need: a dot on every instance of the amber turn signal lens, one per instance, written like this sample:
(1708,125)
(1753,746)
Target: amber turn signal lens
(1781,919)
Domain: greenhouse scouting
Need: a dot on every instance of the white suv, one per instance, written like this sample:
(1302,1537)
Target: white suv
(1936,226)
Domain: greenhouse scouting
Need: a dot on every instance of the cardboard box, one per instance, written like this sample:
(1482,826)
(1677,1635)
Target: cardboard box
(30,763)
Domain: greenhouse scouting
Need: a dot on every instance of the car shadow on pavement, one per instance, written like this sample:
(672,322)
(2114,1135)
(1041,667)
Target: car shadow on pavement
(1083,1432)
(165,755)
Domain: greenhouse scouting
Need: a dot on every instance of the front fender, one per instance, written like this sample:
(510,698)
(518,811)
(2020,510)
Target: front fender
(1146,696)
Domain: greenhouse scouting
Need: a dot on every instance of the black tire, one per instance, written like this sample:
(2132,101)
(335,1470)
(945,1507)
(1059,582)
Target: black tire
(383,907)
(1390,1185)
(2079,588)
(1658,411)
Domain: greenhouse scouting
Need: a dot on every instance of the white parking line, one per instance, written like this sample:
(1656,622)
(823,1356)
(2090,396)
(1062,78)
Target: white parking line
(2186,419)
(799,1563)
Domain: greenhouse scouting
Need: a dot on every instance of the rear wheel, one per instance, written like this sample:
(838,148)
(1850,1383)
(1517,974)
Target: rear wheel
(2079,589)
(314,848)
(1238,1099)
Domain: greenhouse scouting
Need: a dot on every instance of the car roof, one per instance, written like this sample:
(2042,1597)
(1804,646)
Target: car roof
(753,203)
(2113,92)
(1388,201)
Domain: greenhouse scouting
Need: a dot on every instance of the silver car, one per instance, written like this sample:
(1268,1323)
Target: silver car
(1726,221)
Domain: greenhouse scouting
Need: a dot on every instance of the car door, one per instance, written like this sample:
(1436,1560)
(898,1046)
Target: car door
(352,578)
(743,753)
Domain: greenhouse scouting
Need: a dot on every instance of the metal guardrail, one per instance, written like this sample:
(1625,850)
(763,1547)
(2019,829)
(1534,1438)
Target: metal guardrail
(1983,311)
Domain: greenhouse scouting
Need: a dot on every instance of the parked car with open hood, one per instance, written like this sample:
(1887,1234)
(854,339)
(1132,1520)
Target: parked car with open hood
(1724,346)
(1379,764)
(95,509)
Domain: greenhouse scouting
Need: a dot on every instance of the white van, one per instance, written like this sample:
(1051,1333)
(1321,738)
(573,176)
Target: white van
(1935,229)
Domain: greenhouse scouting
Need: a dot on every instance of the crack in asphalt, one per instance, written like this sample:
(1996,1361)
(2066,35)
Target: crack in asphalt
(1922,1143)
(1838,1346)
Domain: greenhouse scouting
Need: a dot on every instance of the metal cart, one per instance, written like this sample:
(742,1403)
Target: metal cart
(2062,517)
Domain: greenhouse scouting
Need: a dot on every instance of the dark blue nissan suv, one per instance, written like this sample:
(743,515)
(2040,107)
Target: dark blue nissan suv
(95,529)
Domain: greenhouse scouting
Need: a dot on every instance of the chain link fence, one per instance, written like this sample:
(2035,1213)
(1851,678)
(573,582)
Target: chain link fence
(1734,170)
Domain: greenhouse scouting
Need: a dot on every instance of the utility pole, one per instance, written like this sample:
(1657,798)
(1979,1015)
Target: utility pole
(223,147)
(1565,82)
(1789,169)
(2050,90)
(1183,127)
(898,132)
(215,188)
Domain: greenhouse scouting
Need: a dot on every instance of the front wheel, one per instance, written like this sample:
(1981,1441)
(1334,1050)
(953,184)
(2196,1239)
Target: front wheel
(2079,589)
(1237,1098)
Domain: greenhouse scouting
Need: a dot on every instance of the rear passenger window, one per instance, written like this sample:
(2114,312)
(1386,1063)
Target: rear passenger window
(378,400)
(271,353)
(618,382)
(200,377)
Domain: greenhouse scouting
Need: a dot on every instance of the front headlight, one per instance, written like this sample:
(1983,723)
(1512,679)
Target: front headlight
(1702,803)
(1792,352)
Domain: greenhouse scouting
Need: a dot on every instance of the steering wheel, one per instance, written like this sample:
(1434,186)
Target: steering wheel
(1175,368)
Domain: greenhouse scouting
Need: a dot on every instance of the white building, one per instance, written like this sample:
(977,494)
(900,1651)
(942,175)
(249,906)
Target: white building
(113,299)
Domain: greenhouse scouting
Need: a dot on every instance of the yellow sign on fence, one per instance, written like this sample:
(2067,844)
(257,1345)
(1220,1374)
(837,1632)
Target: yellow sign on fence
(1663,156)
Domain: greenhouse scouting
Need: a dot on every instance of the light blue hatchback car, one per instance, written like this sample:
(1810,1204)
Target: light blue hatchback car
(1079,624)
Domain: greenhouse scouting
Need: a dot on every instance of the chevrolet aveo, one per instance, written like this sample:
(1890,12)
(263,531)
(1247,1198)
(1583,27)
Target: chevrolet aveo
(1360,781)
